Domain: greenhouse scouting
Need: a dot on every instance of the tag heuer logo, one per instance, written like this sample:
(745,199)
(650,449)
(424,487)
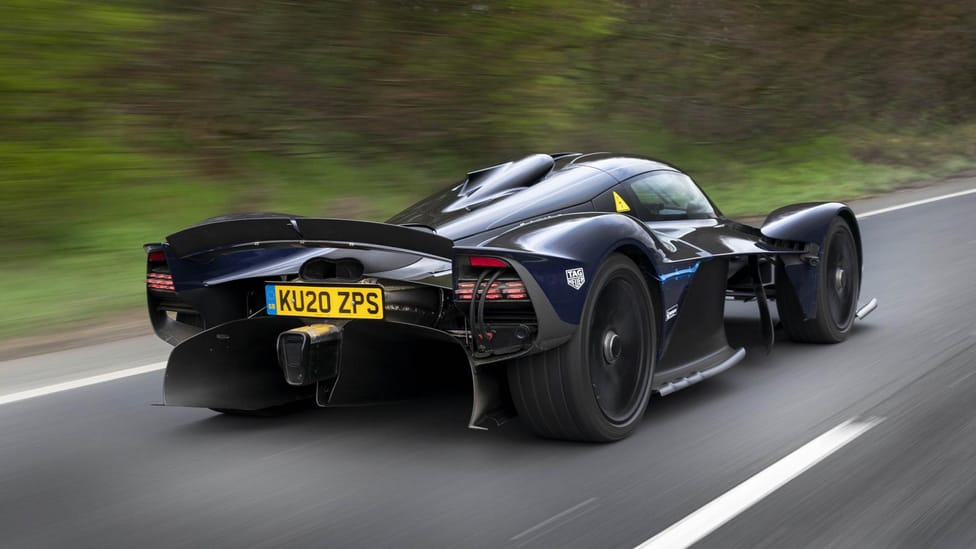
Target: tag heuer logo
(575,278)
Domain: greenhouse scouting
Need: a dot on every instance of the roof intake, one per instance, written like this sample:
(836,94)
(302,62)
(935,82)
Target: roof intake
(485,185)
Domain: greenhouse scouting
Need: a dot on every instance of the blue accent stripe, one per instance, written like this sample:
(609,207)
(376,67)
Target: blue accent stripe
(269,294)
(680,272)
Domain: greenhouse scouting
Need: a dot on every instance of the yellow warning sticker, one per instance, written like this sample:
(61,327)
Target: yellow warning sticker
(620,203)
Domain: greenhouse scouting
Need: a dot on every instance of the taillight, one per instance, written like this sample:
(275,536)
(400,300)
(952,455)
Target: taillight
(492,262)
(499,317)
(509,290)
(160,281)
(158,276)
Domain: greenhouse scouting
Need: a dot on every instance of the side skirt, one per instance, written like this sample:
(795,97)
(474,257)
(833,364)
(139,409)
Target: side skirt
(867,309)
(701,375)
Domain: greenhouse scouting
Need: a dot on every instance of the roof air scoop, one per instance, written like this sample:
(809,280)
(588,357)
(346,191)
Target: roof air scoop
(491,183)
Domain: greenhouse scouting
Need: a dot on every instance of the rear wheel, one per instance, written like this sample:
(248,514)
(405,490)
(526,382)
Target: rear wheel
(838,288)
(596,386)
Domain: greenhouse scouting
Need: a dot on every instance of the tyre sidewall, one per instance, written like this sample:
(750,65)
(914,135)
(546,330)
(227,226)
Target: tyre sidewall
(588,413)
(838,333)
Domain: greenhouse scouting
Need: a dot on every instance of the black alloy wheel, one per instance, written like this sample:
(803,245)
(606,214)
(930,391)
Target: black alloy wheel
(617,349)
(838,289)
(842,282)
(596,386)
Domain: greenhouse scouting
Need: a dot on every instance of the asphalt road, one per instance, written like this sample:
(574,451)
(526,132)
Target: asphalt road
(99,466)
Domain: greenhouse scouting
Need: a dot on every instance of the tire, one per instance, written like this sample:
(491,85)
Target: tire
(838,289)
(596,386)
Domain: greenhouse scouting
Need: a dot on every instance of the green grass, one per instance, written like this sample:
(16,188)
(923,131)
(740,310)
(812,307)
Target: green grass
(77,210)
(821,170)
(77,214)
(754,177)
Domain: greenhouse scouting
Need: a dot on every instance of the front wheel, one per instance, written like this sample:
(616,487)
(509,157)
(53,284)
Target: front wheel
(597,385)
(838,288)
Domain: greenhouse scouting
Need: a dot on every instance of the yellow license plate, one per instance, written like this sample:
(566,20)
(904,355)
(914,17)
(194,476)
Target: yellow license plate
(325,301)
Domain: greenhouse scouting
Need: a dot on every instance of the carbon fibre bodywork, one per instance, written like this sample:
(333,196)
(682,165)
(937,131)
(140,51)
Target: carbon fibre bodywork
(483,273)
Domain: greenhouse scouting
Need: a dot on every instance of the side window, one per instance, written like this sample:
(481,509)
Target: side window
(665,194)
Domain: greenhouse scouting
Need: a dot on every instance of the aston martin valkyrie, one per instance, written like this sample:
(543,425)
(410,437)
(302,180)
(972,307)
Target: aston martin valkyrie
(569,286)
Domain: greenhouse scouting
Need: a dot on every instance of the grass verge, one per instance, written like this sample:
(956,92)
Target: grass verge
(76,214)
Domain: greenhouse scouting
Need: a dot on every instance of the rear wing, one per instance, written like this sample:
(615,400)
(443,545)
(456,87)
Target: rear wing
(219,237)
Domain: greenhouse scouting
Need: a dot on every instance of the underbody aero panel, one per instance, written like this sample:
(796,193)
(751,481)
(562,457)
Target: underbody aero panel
(696,327)
(233,366)
(369,372)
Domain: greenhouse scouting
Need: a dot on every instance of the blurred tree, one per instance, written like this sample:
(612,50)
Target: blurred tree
(722,69)
(352,74)
(122,119)
(221,78)
(61,94)
(480,77)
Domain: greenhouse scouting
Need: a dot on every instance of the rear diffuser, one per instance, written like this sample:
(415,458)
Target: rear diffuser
(232,366)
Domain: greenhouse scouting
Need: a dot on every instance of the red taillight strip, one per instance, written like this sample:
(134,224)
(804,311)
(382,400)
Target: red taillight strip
(492,262)
(160,281)
(169,288)
(504,289)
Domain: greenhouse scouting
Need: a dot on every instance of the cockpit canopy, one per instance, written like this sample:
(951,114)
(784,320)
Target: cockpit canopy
(544,184)
(668,194)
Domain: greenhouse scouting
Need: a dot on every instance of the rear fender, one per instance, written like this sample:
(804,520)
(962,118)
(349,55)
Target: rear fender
(808,223)
(548,254)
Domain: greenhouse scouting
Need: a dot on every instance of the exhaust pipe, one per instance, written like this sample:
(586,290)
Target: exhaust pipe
(309,354)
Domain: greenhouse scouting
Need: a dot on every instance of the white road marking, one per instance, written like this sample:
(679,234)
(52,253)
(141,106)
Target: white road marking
(549,522)
(915,203)
(960,380)
(724,508)
(83,382)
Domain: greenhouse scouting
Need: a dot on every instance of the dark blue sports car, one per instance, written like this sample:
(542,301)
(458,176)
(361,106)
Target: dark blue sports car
(570,286)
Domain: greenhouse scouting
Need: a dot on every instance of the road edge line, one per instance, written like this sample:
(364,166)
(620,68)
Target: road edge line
(78,383)
(915,203)
(694,527)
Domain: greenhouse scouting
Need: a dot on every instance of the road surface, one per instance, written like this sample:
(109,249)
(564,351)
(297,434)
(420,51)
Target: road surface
(741,460)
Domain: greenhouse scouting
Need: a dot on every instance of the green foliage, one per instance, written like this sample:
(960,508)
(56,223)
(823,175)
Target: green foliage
(403,76)
(50,48)
(123,120)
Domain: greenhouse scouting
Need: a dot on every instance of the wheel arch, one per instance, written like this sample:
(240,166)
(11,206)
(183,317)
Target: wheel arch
(650,272)
(808,223)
